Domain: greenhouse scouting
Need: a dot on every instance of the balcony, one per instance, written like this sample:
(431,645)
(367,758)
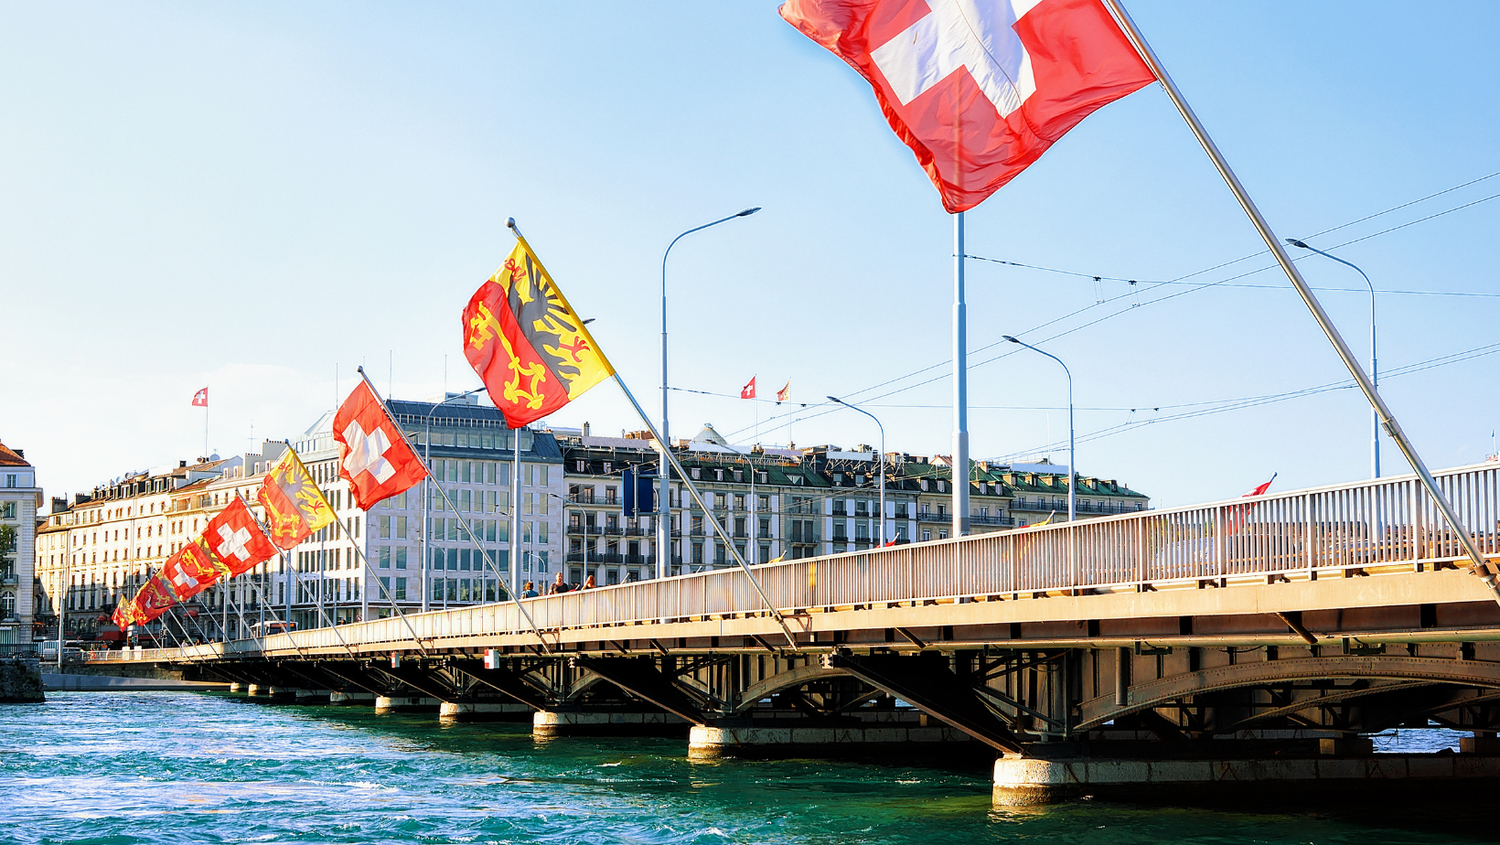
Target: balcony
(992,519)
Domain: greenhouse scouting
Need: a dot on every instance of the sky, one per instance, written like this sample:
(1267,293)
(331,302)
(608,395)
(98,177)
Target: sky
(260,198)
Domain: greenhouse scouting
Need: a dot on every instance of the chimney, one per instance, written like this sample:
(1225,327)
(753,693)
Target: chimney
(20,453)
(585,429)
(182,464)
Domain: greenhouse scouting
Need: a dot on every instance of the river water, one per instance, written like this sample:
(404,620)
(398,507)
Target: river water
(160,767)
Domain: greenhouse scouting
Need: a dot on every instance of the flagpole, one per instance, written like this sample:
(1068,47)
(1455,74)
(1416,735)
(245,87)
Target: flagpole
(698,498)
(464,522)
(1481,568)
(960,386)
(364,569)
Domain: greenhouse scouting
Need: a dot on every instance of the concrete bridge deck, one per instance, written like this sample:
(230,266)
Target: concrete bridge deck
(1277,628)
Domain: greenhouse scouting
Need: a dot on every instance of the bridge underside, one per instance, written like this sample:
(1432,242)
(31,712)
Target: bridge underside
(1056,703)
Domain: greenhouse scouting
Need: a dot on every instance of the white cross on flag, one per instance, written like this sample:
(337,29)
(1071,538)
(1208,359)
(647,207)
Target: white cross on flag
(373,454)
(235,537)
(978,89)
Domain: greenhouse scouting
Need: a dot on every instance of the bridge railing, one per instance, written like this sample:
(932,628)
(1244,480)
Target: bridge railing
(1390,521)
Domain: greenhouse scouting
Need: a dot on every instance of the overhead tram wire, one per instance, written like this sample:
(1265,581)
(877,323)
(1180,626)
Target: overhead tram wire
(1225,406)
(825,408)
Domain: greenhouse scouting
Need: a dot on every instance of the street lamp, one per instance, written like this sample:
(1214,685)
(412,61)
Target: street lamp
(664,507)
(882,459)
(1072,462)
(427,497)
(1374,373)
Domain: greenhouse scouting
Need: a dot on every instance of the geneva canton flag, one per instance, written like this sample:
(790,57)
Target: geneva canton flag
(527,344)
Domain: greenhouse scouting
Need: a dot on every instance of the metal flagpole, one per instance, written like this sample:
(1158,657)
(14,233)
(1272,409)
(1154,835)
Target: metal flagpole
(718,528)
(1481,567)
(960,386)
(464,522)
(515,516)
(365,570)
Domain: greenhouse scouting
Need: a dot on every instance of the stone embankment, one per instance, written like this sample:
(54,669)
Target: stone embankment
(20,681)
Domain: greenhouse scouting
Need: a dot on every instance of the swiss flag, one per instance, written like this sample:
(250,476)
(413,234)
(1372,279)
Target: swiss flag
(373,454)
(978,89)
(200,399)
(190,570)
(236,538)
(748,391)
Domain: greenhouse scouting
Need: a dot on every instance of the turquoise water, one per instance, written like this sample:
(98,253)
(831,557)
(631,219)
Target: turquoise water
(119,768)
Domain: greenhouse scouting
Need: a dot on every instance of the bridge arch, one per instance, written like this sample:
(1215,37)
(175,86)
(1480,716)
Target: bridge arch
(782,681)
(1151,694)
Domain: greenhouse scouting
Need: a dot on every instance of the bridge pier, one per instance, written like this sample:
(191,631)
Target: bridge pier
(406,704)
(346,699)
(906,738)
(478,710)
(549,724)
(257,690)
(1030,781)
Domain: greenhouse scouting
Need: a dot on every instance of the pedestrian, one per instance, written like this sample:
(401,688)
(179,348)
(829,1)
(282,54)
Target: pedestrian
(559,586)
(528,591)
(588,583)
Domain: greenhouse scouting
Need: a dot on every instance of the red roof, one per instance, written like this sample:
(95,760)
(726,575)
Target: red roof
(9,458)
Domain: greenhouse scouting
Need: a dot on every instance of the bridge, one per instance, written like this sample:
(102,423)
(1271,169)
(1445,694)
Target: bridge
(1257,641)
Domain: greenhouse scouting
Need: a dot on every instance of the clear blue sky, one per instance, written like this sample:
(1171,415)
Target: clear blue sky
(254,197)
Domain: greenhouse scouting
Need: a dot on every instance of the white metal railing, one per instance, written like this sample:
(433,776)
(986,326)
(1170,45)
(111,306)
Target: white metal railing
(1364,524)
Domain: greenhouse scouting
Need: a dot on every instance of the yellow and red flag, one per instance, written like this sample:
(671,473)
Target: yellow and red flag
(154,598)
(126,614)
(527,344)
(294,505)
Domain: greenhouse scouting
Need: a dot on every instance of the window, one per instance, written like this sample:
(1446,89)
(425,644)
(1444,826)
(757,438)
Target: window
(400,558)
(400,594)
(926,535)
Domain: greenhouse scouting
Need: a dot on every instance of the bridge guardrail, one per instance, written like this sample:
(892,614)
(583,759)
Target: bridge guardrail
(1389,521)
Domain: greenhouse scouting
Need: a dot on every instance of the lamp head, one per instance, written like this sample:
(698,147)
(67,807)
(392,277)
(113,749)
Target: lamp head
(1009,338)
(747,212)
(835,399)
(1296,243)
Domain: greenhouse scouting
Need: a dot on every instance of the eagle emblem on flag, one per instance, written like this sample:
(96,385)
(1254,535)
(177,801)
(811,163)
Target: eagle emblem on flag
(527,343)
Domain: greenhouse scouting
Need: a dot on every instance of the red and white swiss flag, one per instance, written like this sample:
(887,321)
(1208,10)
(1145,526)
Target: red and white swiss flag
(373,454)
(748,391)
(978,89)
(237,540)
(200,399)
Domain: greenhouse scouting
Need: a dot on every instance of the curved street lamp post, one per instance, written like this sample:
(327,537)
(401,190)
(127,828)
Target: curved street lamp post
(1374,371)
(1072,462)
(663,505)
(881,459)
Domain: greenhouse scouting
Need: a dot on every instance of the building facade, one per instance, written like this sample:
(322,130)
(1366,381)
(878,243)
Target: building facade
(411,551)
(789,504)
(20,498)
